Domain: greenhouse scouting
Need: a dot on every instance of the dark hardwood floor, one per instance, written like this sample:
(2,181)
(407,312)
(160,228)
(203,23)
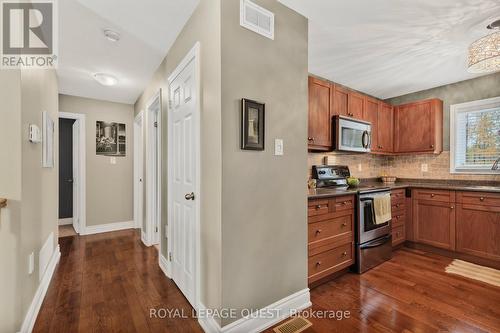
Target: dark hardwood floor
(109,282)
(410,293)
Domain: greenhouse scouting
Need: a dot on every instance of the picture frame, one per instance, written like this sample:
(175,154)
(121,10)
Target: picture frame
(252,125)
(47,141)
(111,139)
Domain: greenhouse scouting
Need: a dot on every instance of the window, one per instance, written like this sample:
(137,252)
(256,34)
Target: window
(475,136)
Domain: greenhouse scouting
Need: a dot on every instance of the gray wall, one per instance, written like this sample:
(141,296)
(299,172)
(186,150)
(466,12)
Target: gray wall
(31,214)
(264,222)
(203,27)
(465,91)
(110,194)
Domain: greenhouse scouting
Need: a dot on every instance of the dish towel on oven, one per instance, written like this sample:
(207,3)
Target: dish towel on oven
(382,206)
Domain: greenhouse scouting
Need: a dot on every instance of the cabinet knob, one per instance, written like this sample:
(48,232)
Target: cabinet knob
(432,146)
(318,206)
(310,139)
(344,224)
(318,231)
(344,203)
(318,263)
(432,195)
(397,205)
(482,198)
(452,207)
(344,254)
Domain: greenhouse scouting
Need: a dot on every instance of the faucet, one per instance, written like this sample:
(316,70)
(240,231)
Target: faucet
(495,164)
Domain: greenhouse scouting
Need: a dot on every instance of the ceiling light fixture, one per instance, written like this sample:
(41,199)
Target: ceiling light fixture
(105,79)
(484,54)
(111,35)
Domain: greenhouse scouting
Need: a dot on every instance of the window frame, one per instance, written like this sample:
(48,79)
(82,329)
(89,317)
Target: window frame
(455,109)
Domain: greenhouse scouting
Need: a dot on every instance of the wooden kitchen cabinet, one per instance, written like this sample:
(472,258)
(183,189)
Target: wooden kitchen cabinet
(371,114)
(418,127)
(320,121)
(434,223)
(356,105)
(478,224)
(340,101)
(385,128)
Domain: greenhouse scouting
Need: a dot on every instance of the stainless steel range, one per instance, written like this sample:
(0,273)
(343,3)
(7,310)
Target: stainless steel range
(373,240)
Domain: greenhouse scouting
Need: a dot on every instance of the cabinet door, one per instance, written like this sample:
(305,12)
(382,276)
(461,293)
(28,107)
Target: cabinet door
(385,128)
(356,105)
(370,114)
(414,126)
(340,101)
(319,135)
(478,230)
(434,223)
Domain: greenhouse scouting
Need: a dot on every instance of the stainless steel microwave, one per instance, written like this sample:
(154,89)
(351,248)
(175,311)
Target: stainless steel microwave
(352,135)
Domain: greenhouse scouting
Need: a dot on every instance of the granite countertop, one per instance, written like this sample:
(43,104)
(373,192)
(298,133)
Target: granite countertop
(407,183)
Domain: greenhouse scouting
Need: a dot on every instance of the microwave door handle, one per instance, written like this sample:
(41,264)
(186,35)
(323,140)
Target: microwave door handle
(365,139)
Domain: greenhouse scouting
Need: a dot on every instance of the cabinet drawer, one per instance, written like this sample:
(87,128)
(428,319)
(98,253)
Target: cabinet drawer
(328,234)
(398,206)
(318,207)
(479,198)
(398,219)
(397,195)
(330,261)
(344,203)
(398,235)
(435,195)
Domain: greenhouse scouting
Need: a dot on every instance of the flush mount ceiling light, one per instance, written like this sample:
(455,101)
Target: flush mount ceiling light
(105,79)
(484,54)
(111,35)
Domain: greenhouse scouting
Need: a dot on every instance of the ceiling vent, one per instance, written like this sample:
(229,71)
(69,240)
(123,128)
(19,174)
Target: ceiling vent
(256,18)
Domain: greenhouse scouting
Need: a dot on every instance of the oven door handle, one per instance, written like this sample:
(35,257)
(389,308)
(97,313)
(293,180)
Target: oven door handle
(376,243)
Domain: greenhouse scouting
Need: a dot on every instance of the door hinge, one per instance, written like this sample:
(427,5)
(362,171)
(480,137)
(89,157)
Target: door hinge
(170,256)
(156,124)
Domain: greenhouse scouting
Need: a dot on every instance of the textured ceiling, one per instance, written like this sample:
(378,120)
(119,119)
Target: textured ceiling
(148,29)
(388,48)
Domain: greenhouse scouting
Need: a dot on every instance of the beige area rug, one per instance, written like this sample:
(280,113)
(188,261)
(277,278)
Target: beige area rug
(475,272)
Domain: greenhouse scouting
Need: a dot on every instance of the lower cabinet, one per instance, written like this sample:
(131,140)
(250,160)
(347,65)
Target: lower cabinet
(434,223)
(330,236)
(398,211)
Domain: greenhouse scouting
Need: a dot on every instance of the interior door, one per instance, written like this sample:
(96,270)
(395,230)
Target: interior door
(65,169)
(76,173)
(183,172)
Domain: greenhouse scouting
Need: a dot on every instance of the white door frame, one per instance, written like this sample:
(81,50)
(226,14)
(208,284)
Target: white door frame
(151,237)
(138,171)
(79,222)
(193,55)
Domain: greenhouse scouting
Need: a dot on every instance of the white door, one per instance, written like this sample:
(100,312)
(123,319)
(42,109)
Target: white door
(76,175)
(138,173)
(183,174)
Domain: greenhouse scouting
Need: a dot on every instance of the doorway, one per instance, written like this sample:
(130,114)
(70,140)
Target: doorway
(71,173)
(184,176)
(153,171)
(139,174)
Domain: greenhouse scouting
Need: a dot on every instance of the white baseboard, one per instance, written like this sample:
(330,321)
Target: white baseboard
(144,239)
(285,307)
(165,265)
(30,318)
(97,229)
(66,221)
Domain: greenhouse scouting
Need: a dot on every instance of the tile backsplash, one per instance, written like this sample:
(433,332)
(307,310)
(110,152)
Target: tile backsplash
(404,166)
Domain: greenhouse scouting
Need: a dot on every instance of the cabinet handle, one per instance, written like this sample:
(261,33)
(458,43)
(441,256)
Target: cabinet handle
(318,206)
(318,263)
(318,231)
(344,224)
(344,203)
(432,195)
(310,139)
(344,254)
(482,198)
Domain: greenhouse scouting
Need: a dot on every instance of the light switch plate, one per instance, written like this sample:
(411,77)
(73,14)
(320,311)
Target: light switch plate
(278,147)
(112,160)
(360,167)
(424,167)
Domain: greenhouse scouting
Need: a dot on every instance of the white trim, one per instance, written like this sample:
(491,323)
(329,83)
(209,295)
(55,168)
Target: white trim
(36,303)
(165,266)
(150,233)
(67,221)
(283,309)
(194,53)
(464,107)
(100,228)
(244,5)
(138,170)
(81,222)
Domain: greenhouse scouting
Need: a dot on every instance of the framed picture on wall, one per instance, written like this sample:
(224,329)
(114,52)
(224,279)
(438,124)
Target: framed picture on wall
(110,139)
(47,141)
(252,125)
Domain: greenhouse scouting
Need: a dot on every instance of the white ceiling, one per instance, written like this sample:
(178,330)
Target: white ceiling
(148,29)
(388,48)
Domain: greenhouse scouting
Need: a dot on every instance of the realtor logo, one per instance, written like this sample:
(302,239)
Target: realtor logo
(28,34)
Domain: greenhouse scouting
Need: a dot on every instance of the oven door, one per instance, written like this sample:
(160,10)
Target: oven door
(368,229)
(352,135)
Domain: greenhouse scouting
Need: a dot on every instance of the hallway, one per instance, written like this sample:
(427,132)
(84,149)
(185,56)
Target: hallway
(108,283)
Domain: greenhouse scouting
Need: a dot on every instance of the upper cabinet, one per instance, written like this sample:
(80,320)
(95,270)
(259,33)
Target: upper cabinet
(385,128)
(320,121)
(371,114)
(356,104)
(340,101)
(418,127)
